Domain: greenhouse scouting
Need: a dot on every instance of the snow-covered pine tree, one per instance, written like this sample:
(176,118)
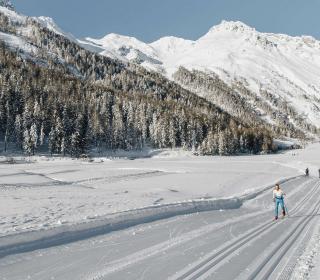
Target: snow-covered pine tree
(59,134)
(79,139)
(172,133)
(142,123)
(76,144)
(118,127)
(7,4)
(131,137)
(67,129)
(27,146)
(52,141)
(27,117)
(42,135)
(6,140)
(18,131)
(33,137)
(63,146)
(222,149)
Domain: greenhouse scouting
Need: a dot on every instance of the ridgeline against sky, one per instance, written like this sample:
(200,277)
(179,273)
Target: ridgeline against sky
(149,20)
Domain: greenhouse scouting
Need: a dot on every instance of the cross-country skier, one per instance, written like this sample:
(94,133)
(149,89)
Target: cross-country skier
(319,172)
(307,171)
(278,198)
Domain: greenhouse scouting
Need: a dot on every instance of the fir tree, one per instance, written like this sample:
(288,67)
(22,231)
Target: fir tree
(33,135)
(27,144)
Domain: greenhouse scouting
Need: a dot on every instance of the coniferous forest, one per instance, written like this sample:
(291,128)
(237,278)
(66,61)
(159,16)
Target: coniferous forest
(60,98)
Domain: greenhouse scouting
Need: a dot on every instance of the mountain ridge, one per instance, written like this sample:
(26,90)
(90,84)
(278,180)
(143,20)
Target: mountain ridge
(60,97)
(286,67)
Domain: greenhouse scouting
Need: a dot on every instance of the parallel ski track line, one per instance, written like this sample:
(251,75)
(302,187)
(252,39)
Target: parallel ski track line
(50,242)
(216,258)
(292,262)
(284,246)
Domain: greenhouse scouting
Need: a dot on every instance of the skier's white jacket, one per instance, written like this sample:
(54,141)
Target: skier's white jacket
(278,193)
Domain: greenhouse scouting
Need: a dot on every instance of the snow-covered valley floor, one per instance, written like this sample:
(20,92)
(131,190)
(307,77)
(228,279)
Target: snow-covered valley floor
(167,217)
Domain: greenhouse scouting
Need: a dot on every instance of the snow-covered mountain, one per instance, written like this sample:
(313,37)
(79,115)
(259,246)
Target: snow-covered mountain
(273,76)
(284,68)
(7,4)
(49,23)
(106,102)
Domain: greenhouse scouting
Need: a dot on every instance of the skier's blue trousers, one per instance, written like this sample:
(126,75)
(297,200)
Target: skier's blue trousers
(279,201)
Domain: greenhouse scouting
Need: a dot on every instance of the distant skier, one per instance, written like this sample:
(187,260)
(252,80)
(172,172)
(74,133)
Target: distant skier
(319,172)
(278,198)
(307,171)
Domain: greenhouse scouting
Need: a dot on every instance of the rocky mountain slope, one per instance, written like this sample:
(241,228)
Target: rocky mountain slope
(60,97)
(277,75)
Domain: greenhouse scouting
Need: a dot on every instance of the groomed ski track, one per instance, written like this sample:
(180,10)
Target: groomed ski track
(242,243)
(270,260)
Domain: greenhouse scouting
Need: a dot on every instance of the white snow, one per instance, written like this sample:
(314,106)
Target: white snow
(308,263)
(38,195)
(49,23)
(48,201)
(288,67)
(13,16)
(16,42)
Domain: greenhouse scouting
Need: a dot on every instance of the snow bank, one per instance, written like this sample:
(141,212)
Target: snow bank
(28,241)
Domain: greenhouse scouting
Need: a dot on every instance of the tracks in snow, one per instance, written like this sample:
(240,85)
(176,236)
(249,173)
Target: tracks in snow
(271,261)
(120,265)
(30,241)
(268,264)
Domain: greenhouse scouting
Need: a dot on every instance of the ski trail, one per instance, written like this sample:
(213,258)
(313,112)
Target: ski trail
(65,234)
(142,255)
(210,261)
(268,265)
(137,257)
(286,270)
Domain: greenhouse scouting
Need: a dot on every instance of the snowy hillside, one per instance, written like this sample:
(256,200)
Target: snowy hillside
(273,76)
(128,98)
(7,4)
(286,68)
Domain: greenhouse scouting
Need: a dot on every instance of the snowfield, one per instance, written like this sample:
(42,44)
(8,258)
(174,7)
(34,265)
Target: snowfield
(45,192)
(134,219)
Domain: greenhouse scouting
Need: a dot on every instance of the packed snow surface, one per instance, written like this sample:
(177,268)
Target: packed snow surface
(48,192)
(46,203)
(42,192)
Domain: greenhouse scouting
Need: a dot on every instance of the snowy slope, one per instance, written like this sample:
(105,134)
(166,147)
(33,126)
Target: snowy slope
(7,4)
(276,68)
(12,15)
(49,23)
(287,67)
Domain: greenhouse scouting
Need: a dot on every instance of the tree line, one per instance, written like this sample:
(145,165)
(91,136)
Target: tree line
(67,100)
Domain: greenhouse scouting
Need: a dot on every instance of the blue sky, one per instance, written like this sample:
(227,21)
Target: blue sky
(149,20)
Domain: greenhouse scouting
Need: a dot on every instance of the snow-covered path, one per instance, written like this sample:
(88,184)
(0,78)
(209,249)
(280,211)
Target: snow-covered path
(242,243)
